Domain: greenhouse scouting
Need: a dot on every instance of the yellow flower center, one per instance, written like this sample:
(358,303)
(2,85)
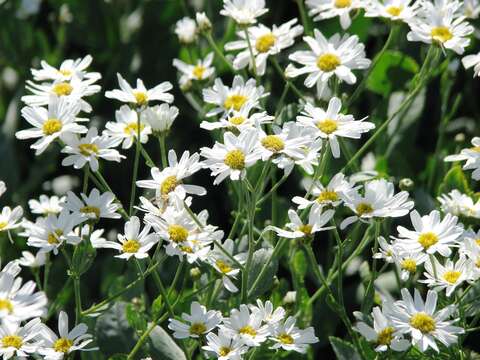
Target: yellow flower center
(441,34)
(477,263)
(223,266)
(385,336)
(235,159)
(327,196)
(248,330)
(451,276)
(197,328)
(177,233)
(394,10)
(306,229)
(3,225)
(186,249)
(53,237)
(62,345)
(327,126)
(141,98)
(427,239)
(477,241)
(237,120)
(62,89)
(65,72)
(91,210)
(168,185)
(130,246)
(6,305)
(224,351)
(132,129)
(410,265)
(265,42)
(475,148)
(423,322)
(342,3)
(363,209)
(12,341)
(198,71)
(273,143)
(328,62)
(88,149)
(235,101)
(52,126)
(285,339)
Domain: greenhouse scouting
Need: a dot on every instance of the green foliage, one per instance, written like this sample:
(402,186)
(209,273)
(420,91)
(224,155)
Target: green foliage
(343,349)
(163,346)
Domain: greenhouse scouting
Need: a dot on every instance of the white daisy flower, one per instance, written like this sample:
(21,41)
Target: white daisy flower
(225,266)
(297,229)
(383,334)
(422,322)
(459,204)
(386,251)
(60,347)
(89,149)
(132,242)
(470,247)
(68,69)
(395,10)
(159,117)
(331,124)
(46,205)
(442,27)
(239,120)
(471,9)
(235,98)
(472,61)
(472,157)
(337,56)
(170,180)
(327,9)
(267,312)
(431,234)
(244,12)
(224,346)
(140,96)
(379,200)
(186,30)
(448,276)
(125,128)
(32,261)
(49,125)
(94,206)
(245,325)
(311,151)
(232,158)
(202,70)
(408,262)
(10,219)
(200,322)
(288,337)
(19,341)
(264,43)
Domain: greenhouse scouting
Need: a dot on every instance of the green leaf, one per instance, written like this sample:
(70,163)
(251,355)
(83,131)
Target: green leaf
(454,179)
(343,349)
(83,257)
(260,258)
(164,347)
(390,72)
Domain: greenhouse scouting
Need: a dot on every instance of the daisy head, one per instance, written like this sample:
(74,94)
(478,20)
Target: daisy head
(200,322)
(202,70)
(186,30)
(472,157)
(288,337)
(244,12)
(395,10)
(94,206)
(126,128)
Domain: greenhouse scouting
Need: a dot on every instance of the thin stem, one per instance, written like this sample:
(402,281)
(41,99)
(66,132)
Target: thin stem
(250,50)
(303,17)
(46,272)
(135,166)
(163,150)
(369,292)
(208,36)
(86,174)
(284,77)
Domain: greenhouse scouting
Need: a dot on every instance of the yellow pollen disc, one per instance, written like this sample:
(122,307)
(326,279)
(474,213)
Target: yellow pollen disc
(327,196)
(477,241)
(265,42)
(410,265)
(132,129)
(198,71)
(197,328)
(475,148)
(62,345)
(342,3)
(237,120)
(168,185)
(285,339)
(306,229)
(62,89)
(6,305)
(53,237)
(130,246)
(385,336)
(441,34)
(327,126)
(224,351)
(427,239)
(177,233)
(52,126)
(12,341)
(394,10)
(477,264)
(140,97)
(328,62)
(248,330)
(186,249)
(91,210)
(423,322)
(273,143)
(364,208)
(235,159)
(3,225)
(65,72)
(223,266)
(88,149)
(451,276)
(235,101)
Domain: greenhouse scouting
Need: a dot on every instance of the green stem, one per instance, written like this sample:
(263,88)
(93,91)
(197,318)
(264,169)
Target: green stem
(163,150)
(208,36)
(303,17)
(138,146)
(370,291)
(86,170)
(252,57)
(287,81)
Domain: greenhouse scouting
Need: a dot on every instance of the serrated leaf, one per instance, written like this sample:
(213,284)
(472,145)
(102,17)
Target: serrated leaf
(343,349)
(164,346)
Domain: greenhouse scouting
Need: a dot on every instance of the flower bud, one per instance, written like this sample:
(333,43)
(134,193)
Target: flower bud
(406,184)
(195,273)
(160,117)
(203,22)
(186,30)
(460,138)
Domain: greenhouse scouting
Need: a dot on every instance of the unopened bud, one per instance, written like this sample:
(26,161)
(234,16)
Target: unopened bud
(195,273)
(203,22)
(460,138)
(290,297)
(406,184)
